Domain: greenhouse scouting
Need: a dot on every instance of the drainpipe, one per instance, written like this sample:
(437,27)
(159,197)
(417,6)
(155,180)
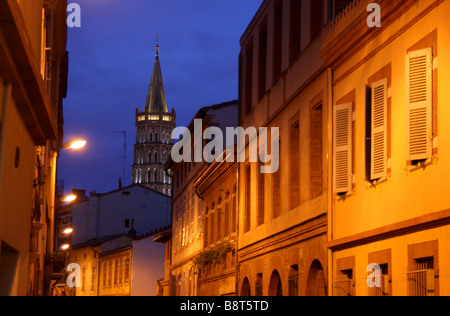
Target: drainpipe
(330,198)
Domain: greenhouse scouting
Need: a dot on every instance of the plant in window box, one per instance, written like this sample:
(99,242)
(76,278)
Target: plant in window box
(211,258)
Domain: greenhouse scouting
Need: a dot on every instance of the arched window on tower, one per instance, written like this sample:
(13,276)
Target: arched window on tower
(155,172)
(156,157)
(156,137)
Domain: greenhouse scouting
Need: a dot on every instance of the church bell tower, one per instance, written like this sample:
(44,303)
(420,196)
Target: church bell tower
(153,136)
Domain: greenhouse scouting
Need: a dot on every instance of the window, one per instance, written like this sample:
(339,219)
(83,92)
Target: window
(276,188)
(293,281)
(261,194)
(316,15)
(262,55)
(227,214)
(127,271)
(213,224)
(248,75)
(294,163)
(295,24)
(207,226)
(423,269)
(247,198)
(121,272)
(116,272)
(419,85)
(105,277)
(344,283)
(277,40)
(342,156)
(219,219)
(110,272)
(259,285)
(316,151)
(93,275)
(378,157)
(383,259)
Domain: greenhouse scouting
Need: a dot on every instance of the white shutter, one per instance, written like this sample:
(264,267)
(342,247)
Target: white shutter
(419,84)
(342,157)
(378,157)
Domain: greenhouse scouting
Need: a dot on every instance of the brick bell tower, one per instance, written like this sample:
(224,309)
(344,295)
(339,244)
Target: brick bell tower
(153,136)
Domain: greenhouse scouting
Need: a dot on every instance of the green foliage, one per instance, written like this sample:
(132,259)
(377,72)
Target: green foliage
(211,258)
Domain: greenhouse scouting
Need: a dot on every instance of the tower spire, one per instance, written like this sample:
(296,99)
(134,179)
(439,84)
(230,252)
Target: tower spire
(157,45)
(156,99)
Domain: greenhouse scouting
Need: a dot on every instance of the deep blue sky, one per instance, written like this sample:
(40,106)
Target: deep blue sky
(111,60)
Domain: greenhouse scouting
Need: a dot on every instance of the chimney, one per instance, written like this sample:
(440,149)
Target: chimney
(120,183)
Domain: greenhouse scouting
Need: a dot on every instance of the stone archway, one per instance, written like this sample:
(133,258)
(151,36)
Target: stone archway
(275,285)
(245,289)
(316,284)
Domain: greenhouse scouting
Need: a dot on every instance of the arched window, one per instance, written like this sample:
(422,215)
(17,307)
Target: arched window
(245,289)
(156,137)
(275,286)
(156,157)
(149,157)
(155,172)
(316,284)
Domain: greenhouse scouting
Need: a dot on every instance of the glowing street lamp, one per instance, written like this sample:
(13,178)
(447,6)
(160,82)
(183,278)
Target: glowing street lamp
(68,231)
(65,246)
(75,144)
(70,198)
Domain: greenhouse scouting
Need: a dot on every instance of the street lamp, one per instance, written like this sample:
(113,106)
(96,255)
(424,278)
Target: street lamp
(68,231)
(70,198)
(75,144)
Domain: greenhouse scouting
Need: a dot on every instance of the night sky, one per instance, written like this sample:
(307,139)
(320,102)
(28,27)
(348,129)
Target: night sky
(111,61)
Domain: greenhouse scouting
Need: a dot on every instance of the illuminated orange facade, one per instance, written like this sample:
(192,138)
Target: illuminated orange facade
(359,204)
(33,79)
(390,199)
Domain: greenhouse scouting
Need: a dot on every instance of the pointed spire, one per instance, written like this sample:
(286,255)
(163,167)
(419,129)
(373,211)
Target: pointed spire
(157,45)
(156,98)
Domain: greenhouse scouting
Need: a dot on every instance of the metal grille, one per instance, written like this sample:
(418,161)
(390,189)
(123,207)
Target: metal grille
(343,288)
(420,280)
(383,290)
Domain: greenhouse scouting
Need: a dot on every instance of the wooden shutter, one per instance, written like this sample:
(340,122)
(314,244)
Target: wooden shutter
(343,115)
(378,157)
(419,82)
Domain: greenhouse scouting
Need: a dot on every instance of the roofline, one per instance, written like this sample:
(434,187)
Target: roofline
(253,21)
(128,187)
(200,114)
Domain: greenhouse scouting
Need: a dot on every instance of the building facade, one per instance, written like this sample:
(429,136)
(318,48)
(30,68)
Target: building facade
(216,265)
(33,83)
(390,199)
(153,137)
(116,212)
(188,225)
(283,216)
